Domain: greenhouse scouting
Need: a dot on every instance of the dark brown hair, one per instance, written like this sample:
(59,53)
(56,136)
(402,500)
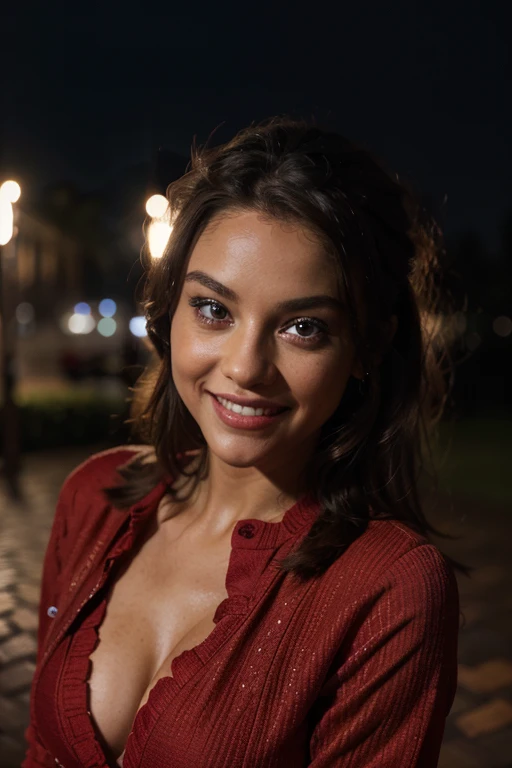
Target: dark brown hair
(373,448)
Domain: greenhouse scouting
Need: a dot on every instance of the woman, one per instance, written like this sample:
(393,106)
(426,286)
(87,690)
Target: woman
(260,590)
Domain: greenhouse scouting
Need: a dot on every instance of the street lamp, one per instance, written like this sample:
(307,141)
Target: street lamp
(10,192)
(160,227)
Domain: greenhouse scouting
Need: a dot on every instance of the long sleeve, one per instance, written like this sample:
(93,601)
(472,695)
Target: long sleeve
(36,754)
(387,701)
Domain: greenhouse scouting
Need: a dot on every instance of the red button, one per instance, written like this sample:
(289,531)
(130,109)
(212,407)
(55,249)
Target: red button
(247,531)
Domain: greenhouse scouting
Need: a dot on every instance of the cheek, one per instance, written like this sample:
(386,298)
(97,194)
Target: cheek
(321,384)
(190,356)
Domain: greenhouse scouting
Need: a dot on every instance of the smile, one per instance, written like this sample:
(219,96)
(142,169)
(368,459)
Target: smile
(244,417)
(246,410)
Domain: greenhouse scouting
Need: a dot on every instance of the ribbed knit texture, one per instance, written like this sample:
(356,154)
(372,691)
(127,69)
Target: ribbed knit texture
(357,668)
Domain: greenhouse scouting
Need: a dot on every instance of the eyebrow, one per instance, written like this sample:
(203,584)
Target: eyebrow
(290,305)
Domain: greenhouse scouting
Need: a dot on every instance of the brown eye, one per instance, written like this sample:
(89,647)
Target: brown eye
(213,306)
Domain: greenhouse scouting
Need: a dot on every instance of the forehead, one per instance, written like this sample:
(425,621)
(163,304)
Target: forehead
(246,247)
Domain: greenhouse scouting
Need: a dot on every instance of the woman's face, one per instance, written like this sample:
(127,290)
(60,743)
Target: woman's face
(246,344)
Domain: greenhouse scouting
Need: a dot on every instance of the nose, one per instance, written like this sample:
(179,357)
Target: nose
(248,358)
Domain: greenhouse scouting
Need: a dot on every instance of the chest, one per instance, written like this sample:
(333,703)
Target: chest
(161,603)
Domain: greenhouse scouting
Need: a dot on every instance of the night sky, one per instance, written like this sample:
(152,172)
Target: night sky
(426,85)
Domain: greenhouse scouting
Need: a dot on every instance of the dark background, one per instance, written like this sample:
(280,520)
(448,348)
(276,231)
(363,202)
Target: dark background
(89,91)
(101,102)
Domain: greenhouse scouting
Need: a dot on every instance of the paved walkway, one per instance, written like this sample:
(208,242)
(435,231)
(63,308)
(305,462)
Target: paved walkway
(479,729)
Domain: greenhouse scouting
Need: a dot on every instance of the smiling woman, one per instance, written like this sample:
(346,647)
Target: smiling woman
(260,588)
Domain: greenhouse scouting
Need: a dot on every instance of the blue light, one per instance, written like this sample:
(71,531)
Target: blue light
(138,326)
(107,307)
(82,308)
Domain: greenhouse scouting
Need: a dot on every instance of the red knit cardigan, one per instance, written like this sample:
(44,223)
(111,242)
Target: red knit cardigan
(357,668)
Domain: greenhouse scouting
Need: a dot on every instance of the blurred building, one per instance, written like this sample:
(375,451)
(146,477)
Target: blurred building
(49,265)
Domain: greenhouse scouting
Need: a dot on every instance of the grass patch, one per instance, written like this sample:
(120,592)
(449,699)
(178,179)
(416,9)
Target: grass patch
(475,457)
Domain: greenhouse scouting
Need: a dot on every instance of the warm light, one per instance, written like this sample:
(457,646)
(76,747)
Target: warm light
(156,206)
(107,326)
(107,307)
(11,191)
(502,326)
(158,237)
(138,326)
(81,323)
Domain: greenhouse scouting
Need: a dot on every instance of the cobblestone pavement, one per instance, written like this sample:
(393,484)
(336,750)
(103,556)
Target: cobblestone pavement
(479,728)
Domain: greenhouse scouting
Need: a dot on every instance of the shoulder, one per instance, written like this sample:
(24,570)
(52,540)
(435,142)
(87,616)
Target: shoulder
(82,503)
(99,470)
(390,558)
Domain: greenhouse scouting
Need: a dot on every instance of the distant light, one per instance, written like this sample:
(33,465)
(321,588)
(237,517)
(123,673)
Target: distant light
(157,206)
(502,326)
(81,323)
(82,308)
(107,307)
(25,313)
(158,237)
(6,221)
(138,326)
(107,326)
(11,191)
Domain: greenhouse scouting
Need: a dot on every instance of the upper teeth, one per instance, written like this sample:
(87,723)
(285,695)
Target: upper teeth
(246,410)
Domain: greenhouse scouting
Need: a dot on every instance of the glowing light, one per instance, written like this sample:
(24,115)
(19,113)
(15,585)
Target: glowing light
(138,326)
(82,308)
(107,326)
(157,206)
(81,323)
(11,191)
(502,326)
(158,237)
(107,307)
(24,313)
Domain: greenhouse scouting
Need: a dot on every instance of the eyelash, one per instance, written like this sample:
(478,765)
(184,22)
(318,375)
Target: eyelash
(198,302)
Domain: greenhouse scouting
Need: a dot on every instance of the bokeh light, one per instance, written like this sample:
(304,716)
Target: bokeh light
(81,323)
(82,308)
(25,313)
(502,326)
(156,206)
(158,237)
(107,307)
(107,326)
(138,326)
(10,191)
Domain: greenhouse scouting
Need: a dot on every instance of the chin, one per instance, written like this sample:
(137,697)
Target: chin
(240,452)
